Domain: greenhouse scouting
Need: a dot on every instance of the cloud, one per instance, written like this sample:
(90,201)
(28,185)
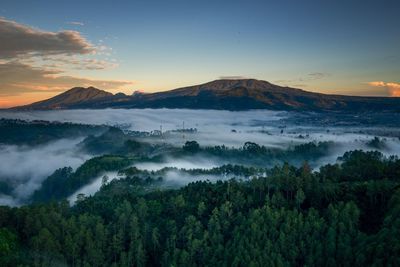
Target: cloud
(317,75)
(35,63)
(34,165)
(393,88)
(79,63)
(77,23)
(18,40)
(17,78)
(67,49)
(238,77)
(300,81)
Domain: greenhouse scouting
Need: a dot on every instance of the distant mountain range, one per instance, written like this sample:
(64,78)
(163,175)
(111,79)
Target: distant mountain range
(243,94)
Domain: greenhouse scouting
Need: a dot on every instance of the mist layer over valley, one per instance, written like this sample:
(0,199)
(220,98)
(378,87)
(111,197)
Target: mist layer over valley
(152,140)
(23,168)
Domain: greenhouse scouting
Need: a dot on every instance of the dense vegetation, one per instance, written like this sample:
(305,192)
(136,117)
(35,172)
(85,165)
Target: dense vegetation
(347,214)
(114,141)
(344,214)
(252,153)
(19,132)
(63,182)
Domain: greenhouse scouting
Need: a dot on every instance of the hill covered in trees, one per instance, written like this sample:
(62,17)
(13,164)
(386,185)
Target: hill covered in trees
(345,214)
(37,132)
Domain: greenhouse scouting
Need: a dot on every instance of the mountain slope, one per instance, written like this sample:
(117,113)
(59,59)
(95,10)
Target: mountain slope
(241,94)
(74,96)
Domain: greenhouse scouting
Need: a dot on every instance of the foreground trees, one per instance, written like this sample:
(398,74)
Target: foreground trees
(292,217)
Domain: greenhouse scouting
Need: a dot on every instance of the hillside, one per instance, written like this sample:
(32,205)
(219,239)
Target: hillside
(74,96)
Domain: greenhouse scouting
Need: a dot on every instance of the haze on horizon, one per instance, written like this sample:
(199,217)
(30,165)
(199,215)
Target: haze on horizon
(342,47)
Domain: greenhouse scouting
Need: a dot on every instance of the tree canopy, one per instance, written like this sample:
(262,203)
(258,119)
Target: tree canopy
(347,214)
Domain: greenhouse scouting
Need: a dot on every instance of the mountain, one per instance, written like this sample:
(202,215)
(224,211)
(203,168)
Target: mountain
(70,98)
(243,94)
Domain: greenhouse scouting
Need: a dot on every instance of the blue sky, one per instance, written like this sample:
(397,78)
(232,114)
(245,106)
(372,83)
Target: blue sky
(325,46)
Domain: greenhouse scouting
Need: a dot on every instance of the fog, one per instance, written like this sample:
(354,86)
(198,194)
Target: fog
(187,163)
(233,129)
(94,186)
(172,178)
(177,178)
(151,119)
(24,168)
(214,127)
(343,144)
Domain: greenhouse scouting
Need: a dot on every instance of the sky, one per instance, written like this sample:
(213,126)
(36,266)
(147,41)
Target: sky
(337,47)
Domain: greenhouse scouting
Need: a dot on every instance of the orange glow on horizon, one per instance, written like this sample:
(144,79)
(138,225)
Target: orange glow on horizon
(392,87)
(23,99)
(396,93)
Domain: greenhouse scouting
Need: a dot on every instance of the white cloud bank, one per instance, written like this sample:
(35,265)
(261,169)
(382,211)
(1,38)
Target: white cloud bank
(25,167)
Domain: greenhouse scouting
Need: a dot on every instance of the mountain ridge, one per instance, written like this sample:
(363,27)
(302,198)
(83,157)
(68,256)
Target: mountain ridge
(240,94)
(72,96)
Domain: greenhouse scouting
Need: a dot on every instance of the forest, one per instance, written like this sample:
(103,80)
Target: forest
(345,214)
(110,195)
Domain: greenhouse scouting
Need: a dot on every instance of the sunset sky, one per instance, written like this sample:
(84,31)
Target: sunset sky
(341,47)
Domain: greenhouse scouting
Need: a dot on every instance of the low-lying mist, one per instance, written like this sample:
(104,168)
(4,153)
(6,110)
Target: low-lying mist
(152,119)
(94,186)
(24,168)
(216,127)
(171,178)
(185,163)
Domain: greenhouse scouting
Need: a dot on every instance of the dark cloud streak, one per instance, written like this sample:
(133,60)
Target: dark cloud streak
(21,40)
(309,77)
